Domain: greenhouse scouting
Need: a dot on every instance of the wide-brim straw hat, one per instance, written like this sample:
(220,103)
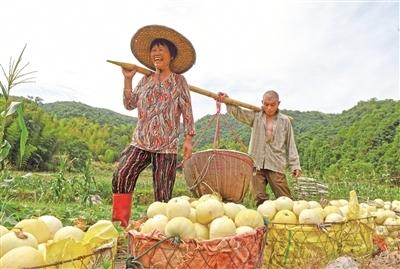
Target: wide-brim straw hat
(140,46)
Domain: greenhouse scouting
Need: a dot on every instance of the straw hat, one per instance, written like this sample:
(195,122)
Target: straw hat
(140,46)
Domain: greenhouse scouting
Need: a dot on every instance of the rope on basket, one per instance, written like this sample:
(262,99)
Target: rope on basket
(134,263)
(217,135)
(235,134)
(202,175)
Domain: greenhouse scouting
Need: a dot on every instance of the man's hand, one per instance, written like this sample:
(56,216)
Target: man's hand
(221,95)
(296,173)
(187,147)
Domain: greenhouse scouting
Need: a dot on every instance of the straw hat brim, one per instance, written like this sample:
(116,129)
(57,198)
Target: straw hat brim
(140,46)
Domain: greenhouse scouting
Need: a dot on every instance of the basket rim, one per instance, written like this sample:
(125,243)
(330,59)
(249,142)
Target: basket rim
(156,235)
(222,150)
(99,250)
(248,159)
(322,224)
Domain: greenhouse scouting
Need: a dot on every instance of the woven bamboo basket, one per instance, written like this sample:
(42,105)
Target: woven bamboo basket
(292,246)
(389,235)
(307,188)
(227,172)
(156,251)
(102,257)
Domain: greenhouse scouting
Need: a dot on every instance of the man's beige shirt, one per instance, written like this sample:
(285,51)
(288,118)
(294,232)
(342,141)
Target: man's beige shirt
(273,155)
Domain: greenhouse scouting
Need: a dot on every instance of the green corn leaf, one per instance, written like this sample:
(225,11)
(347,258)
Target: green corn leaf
(24,131)
(3,89)
(13,107)
(4,150)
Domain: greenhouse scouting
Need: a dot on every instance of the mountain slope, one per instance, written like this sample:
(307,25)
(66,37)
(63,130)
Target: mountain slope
(362,142)
(358,144)
(101,116)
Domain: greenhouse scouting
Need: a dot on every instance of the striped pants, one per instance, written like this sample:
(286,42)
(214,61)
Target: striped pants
(134,160)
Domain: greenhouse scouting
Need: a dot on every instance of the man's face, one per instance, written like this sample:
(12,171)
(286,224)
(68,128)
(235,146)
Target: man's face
(270,105)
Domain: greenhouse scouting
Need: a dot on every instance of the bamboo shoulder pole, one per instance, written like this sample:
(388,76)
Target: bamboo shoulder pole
(225,100)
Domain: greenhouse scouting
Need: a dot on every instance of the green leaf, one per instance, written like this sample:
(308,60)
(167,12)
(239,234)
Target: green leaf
(4,150)
(3,89)
(12,108)
(24,131)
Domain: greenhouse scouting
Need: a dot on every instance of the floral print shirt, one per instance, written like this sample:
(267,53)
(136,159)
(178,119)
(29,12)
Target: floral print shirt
(160,106)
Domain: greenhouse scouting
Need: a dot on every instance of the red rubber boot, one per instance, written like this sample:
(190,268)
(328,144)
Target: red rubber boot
(121,211)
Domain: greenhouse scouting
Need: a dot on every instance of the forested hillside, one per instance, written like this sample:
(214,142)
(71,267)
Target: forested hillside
(75,109)
(76,137)
(362,142)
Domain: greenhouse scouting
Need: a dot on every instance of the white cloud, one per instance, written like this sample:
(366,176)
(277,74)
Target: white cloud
(323,56)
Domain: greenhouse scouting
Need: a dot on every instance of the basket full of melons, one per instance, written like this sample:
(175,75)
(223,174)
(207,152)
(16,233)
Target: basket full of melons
(198,233)
(44,242)
(300,231)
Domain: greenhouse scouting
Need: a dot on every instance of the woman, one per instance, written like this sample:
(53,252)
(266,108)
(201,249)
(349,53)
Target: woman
(161,98)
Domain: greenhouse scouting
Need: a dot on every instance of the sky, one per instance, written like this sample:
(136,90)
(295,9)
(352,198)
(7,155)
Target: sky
(318,55)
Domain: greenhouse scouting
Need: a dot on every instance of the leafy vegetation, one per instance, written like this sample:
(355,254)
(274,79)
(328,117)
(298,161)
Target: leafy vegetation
(15,75)
(359,144)
(102,116)
(87,194)
(50,138)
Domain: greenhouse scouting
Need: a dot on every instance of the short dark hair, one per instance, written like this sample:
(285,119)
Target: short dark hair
(164,42)
(272,93)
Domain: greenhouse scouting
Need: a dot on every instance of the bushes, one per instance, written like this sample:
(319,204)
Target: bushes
(78,153)
(110,156)
(351,170)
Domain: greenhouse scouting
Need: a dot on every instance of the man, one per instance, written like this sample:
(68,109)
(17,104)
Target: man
(272,146)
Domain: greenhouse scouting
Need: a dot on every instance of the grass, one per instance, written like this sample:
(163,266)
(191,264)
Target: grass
(26,194)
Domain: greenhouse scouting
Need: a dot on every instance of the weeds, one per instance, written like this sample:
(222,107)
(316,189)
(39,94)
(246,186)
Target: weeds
(68,195)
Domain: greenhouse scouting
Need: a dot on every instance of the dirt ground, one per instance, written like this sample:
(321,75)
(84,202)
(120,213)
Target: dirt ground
(385,260)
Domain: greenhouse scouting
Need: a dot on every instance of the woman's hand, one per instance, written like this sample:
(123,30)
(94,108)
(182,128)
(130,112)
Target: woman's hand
(128,74)
(187,147)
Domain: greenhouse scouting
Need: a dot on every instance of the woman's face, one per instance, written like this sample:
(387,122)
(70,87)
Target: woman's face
(161,57)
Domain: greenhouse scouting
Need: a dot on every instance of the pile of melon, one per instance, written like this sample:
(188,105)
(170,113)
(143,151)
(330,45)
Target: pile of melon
(385,214)
(387,220)
(210,218)
(285,210)
(44,240)
(202,219)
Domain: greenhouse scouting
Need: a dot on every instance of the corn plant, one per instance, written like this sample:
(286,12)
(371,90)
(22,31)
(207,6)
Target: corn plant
(15,75)
(60,183)
(88,182)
